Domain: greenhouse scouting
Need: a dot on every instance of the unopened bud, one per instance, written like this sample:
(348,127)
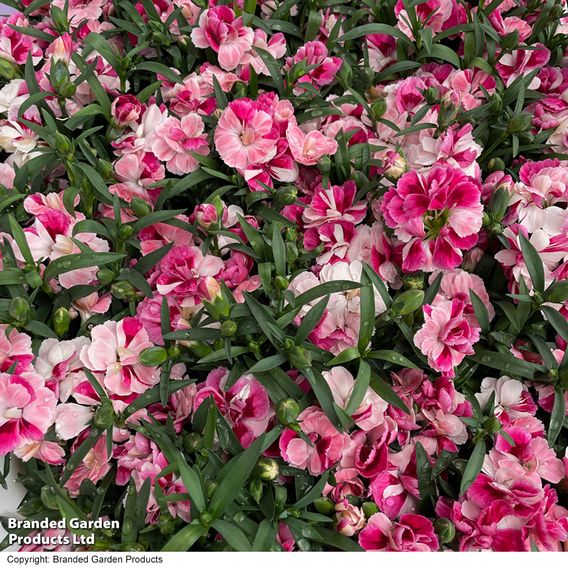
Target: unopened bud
(105,276)
(324,506)
(378,108)
(286,195)
(192,442)
(495,165)
(281,282)
(491,425)
(104,415)
(445,530)
(64,146)
(61,321)
(123,290)
(369,508)
(228,328)
(125,232)
(256,489)
(287,411)
(8,70)
(267,469)
(139,207)
(519,123)
(407,302)
(19,310)
(324,165)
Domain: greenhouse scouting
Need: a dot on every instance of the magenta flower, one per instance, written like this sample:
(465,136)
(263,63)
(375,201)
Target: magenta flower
(437,215)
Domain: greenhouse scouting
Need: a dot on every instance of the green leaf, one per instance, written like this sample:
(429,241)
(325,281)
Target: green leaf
(82,115)
(386,392)
(81,260)
(473,466)
(185,538)
(557,417)
(360,389)
(274,68)
(310,320)
(233,477)
(345,356)
(379,284)
(367,310)
(278,251)
(152,396)
(557,292)
(392,357)
(156,217)
(480,310)
(325,289)
(159,69)
(557,320)
(265,536)
(533,263)
(221,355)
(149,261)
(369,29)
(234,536)
(267,364)
(314,493)
(192,483)
(323,393)
(79,454)
(21,241)
(426,484)
(506,362)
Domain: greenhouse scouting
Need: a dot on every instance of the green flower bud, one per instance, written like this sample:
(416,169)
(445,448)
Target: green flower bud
(240,90)
(104,415)
(125,232)
(324,165)
(291,252)
(8,70)
(106,170)
(139,207)
(414,282)
(286,195)
(378,108)
(369,508)
(123,290)
(48,498)
(496,102)
(431,95)
(495,165)
(153,356)
(34,279)
(407,302)
(291,234)
(300,357)
(253,347)
(210,487)
(65,148)
(324,506)
(174,351)
(267,469)
(228,328)
(281,282)
(192,442)
(287,411)
(59,75)
(61,321)
(445,529)
(19,310)
(519,123)
(280,494)
(68,90)
(105,276)
(491,425)
(256,489)
(206,519)
(166,524)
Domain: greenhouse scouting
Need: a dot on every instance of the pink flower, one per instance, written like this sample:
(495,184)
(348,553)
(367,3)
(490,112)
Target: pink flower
(79,10)
(309,148)
(71,419)
(350,519)
(114,352)
(370,412)
(15,350)
(521,62)
(175,140)
(95,464)
(14,45)
(92,304)
(446,336)
(245,404)
(437,215)
(27,409)
(245,135)
(512,398)
(327,443)
(336,203)
(412,533)
(182,271)
(224,34)
(126,109)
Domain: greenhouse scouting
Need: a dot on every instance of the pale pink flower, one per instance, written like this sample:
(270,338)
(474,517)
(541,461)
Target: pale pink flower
(175,140)
(276,46)
(95,464)
(115,352)
(327,443)
(412,533)
(225,34)
(382,51)
(27,409)
(7,175)
(43,450)
(79,10)
(370,413)
(92,304)
(245,135)
(512,397)
(437,215)
(446,336)
(350,519)
(15,349)
(245,404)
(71,419)
(308,149)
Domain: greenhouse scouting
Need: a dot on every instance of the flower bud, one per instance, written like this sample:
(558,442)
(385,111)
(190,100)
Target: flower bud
(153,356)
(281,282)
(174,351)
(68,90)
(104,167)
(126,109)
(166,524)
(394,166)
(253,346)
(228,328)
(61,321)
(519,123)
(266,469)
(286,195)
(445,529)
(65,148)
(256,489)
(212,296)
(495,165)
(123,290)
(105,276)
(556,12)
(324,165)
(492,425)
(210,487)
(125,232)
(291,234)
(206,215)
(8,70)
(378,108)
(324,506)
(19,310)
(34,279)
(104,415)
(414,282)
(59,74)
(407,302)
(206,518)
(287,411)
(192,442)
(139,207)
(431,95)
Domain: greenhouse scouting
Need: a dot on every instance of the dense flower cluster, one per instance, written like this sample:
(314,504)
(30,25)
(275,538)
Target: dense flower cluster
(287,275)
